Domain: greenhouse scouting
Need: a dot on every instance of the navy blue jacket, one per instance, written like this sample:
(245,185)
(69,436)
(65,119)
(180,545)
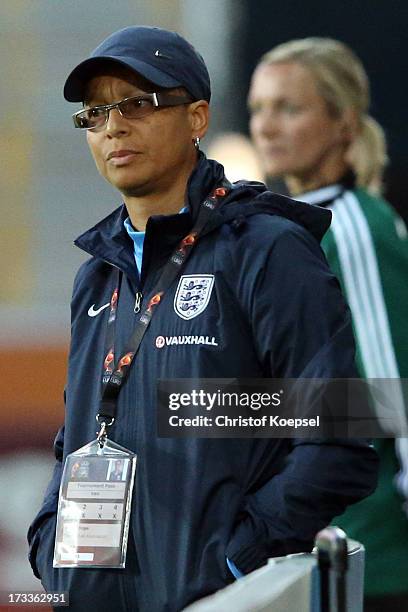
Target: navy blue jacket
(275,310)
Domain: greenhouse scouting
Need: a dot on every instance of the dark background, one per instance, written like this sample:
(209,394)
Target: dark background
(376,30)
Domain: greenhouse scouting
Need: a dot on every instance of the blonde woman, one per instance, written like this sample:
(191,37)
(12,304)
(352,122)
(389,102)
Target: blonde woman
(309,102)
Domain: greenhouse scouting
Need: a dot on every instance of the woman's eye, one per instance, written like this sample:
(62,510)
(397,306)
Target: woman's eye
(136,108)
(290,108)
(253,109)
(139,103)
(96,111)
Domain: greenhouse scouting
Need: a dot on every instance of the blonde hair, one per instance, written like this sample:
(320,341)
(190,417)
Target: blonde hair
(343,83)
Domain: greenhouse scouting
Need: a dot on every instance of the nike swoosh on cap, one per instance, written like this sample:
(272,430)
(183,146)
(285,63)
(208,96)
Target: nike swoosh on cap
(158,53)
(92,312)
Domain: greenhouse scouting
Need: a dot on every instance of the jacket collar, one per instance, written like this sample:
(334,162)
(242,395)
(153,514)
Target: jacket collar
(322,196)
(109,241)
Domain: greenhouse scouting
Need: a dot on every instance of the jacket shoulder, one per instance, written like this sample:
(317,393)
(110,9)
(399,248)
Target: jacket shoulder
(262,232)
(387,229)
(91,285)
(277,210)
(89,272)
(376,209)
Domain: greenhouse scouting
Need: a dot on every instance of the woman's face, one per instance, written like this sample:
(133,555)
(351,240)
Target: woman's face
(295,135)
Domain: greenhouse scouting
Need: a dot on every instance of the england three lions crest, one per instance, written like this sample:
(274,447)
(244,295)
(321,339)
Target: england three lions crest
(193,294)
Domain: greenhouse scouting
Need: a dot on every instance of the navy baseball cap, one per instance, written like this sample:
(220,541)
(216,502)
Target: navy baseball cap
(162,57)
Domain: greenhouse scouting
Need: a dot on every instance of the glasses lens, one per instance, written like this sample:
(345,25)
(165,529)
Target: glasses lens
(90,118)
(80,120)
(136,107)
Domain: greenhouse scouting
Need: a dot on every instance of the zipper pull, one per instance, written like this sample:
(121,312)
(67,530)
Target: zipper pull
(138,302)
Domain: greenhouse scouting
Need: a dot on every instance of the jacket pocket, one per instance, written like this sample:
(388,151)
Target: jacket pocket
(247,548)
(42,550)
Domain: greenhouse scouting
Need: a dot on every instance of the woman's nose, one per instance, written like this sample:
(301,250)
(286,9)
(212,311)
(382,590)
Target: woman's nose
(116,123)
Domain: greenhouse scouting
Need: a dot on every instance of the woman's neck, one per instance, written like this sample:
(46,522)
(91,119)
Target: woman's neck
(328,173)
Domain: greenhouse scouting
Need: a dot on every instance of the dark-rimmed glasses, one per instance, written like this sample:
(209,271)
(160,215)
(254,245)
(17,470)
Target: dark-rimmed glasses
(135,107)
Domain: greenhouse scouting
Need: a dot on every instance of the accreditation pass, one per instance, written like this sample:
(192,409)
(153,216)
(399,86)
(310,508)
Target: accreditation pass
(94,507)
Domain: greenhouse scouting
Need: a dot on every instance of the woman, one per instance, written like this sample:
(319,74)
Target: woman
(309,122)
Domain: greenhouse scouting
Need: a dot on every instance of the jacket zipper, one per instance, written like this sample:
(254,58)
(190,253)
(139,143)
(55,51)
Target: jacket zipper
(138,301)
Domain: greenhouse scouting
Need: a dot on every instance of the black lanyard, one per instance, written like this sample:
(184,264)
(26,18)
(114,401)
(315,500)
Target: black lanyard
(114,373)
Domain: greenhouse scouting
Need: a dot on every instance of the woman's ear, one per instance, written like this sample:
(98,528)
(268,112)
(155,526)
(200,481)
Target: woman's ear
(199,118)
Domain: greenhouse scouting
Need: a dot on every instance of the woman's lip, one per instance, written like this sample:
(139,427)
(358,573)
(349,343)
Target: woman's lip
(273,149)
(121,158)
(120,153)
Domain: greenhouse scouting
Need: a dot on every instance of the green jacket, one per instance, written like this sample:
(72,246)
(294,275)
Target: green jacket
(367,248)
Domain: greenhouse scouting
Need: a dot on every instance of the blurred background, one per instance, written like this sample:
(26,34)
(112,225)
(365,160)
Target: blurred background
(51,192)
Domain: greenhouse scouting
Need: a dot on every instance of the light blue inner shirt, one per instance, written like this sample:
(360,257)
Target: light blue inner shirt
(138,240)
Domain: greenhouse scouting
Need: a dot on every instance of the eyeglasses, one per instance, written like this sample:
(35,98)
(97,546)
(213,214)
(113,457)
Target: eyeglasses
(130,108)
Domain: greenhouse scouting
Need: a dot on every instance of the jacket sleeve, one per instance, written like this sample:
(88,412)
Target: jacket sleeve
(302,329)
(391,242)
(50,502)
